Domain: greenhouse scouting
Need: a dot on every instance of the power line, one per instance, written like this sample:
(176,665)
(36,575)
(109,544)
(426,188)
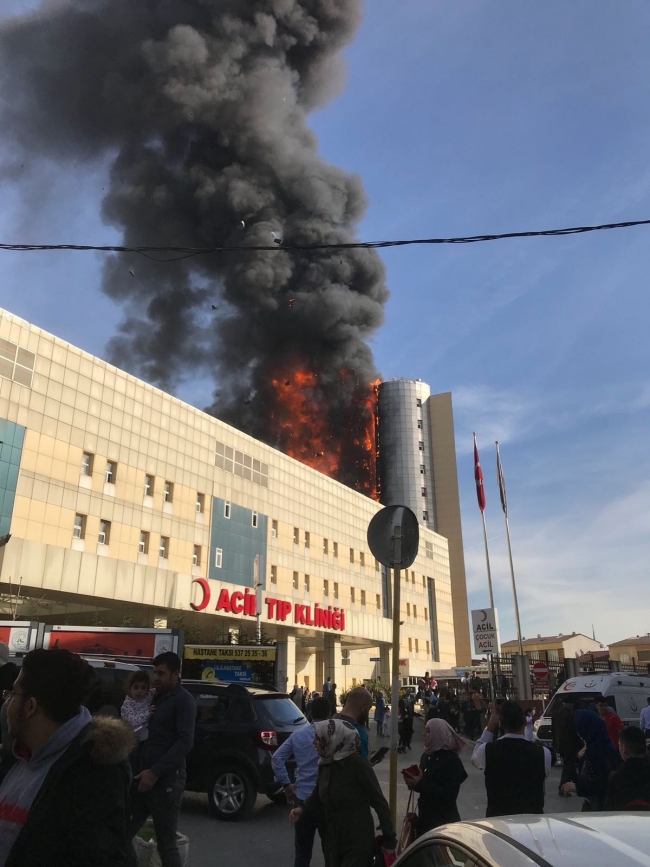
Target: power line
(174,254)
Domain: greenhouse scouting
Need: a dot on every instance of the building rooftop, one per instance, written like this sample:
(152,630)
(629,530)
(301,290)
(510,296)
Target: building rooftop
(637,640)
(546,639)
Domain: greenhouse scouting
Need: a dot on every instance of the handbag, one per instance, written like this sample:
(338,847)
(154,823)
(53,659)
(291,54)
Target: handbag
(381,858)
(409,826)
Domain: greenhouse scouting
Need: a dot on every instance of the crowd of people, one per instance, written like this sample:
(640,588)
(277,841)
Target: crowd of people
(76,788)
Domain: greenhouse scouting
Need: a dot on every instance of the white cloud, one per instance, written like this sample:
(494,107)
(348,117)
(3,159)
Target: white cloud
(496,414)
(572,569)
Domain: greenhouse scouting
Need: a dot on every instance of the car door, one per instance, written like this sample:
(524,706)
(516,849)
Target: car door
(211,709)
(223,724)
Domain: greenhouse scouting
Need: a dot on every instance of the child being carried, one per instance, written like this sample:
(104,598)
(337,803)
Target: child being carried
(136,708)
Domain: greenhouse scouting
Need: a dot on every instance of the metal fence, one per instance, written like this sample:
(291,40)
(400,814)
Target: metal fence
(590,663)
(503,681)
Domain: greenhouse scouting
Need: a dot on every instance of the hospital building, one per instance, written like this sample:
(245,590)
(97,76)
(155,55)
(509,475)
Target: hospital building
(128,507)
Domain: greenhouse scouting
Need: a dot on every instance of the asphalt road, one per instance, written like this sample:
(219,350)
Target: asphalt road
(267,836)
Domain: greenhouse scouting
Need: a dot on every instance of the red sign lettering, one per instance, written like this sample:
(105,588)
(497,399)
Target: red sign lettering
(276,609)
(205,599)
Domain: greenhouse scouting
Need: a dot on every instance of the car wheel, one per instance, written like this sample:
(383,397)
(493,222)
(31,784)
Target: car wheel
(231,793)
(277,797)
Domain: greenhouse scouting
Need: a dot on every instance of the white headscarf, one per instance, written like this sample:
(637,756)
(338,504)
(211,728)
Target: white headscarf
(337,738)
(443,737)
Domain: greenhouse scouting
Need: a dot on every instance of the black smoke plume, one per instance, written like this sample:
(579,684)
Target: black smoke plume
(201,107)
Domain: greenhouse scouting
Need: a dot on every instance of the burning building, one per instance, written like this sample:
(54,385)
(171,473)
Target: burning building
(199,109)
(125,504)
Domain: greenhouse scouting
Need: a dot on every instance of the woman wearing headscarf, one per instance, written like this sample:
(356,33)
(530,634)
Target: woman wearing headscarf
(440,776)
(595,762)
(345,792)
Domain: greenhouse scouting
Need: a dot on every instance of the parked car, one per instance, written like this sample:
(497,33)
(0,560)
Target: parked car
(109,690)
(238,726)
(562,840)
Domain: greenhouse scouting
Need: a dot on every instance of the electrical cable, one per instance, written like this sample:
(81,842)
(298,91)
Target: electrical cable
(177,253)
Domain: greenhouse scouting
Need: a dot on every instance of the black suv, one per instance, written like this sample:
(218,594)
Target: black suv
(238,727)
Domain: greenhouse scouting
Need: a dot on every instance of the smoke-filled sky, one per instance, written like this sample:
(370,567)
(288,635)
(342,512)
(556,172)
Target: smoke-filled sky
(459,118)
(199,109)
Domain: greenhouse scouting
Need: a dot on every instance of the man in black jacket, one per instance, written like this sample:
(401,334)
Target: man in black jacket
(161,780)
(515,769)
(565,741)
(628,787)
(64,803)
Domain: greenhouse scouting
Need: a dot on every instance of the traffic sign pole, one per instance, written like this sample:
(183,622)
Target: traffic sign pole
(393,538)
(394,692)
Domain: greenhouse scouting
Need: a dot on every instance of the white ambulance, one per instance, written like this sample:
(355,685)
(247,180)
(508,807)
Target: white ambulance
(626,693)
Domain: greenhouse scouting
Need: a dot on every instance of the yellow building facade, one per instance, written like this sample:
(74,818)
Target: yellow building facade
(556,647)
(127,506)
(635,649)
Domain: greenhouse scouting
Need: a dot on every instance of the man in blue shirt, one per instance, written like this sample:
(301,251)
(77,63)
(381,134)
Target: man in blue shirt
(300,745)
(645,720)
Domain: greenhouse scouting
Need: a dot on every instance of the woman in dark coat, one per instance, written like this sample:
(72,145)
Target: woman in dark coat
(345,791)
(405,726)
(595,762)
(440,776)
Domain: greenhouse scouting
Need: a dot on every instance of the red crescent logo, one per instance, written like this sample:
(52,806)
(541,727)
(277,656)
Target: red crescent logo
(205,601)
(484,616)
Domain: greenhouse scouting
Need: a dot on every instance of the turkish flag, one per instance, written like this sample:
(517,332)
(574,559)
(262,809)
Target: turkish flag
(478,476)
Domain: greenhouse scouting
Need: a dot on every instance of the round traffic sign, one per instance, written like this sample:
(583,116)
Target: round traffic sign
(382,537)
(540,670)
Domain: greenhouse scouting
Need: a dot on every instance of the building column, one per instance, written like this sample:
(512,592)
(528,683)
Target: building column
(285,662)
(332,660)
(320,671)
(521,676)
(384,664)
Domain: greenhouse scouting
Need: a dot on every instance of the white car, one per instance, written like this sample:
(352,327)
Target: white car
(561,840)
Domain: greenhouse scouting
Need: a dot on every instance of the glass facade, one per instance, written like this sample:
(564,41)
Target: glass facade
(11,446)
(240,539)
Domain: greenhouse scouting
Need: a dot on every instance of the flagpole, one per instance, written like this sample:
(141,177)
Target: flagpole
(480,494)
(504,504)
(487,561)
(481,505)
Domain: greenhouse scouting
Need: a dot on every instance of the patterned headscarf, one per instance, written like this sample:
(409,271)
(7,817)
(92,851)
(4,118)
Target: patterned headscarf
(443,737)
(337,738)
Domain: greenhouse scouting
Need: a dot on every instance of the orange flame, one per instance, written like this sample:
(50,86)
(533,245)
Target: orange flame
(303,428)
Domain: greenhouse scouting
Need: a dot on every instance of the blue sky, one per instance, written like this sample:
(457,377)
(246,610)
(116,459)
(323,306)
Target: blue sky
(464,118)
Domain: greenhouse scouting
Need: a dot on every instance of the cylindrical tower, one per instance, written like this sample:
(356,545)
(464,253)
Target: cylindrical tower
(405,468)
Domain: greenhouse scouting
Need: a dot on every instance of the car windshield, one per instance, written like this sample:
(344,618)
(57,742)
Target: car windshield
(578,700)
(280,711)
